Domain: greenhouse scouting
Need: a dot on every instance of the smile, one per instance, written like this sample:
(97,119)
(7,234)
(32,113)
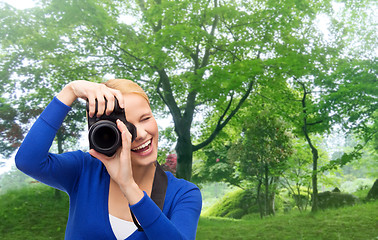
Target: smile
(143,148)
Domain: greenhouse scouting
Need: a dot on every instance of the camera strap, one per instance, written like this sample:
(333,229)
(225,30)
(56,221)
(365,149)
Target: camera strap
(159,189)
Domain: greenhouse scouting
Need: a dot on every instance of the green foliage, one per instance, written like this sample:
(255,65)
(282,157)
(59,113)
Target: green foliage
(362,193)
(212,192)
(266,142)
(197,58)
(351,184)
(297,176)
(366,165)
(10,131)
(298,199)
(188,54)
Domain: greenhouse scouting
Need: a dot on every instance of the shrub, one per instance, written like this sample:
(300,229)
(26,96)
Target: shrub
(235,204)
(236,213)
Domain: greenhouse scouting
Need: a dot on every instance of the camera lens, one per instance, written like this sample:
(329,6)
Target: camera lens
(104,137)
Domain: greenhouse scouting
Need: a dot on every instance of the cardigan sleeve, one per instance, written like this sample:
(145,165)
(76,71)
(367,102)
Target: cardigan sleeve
(33,157)
(183,222)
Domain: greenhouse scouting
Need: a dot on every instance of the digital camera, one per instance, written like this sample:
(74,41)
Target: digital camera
(104,135)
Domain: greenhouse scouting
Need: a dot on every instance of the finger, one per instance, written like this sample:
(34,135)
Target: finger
(100,105)
(118,95)
(103,158)
(110,105)
(125,134)
(91,106)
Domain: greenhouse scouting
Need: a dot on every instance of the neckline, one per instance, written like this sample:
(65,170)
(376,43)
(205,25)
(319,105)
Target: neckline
(106,212)
(119,226)
(120,219)
(106,208)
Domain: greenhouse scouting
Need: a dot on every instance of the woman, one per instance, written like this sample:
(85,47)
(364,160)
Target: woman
(107,192)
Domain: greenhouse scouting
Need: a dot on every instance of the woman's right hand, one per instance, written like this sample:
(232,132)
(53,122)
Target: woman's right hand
(91,91)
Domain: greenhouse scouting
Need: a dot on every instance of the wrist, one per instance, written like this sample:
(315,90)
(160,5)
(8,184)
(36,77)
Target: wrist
(132,192)
(67,95)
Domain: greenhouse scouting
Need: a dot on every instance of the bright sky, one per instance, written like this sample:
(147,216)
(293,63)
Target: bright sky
(20,4)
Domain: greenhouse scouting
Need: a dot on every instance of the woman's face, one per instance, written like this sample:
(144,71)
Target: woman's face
(144,147)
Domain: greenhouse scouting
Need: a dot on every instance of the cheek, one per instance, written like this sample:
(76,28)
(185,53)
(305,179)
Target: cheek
(154,131)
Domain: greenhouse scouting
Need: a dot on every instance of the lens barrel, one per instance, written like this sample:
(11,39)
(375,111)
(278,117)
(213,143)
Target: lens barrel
(105,137)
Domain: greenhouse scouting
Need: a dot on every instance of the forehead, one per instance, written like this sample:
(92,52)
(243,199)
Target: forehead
(135,104)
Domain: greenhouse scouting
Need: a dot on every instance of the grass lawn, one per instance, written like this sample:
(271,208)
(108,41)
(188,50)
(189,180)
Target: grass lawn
(33,213)
(358,222)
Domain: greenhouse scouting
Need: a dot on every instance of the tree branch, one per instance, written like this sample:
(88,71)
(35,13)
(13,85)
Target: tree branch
(205,59)
(137,58)
(314,123)
(168,97)
(305,124)
(221,124)
(190,106)
(229,51)
(142,6)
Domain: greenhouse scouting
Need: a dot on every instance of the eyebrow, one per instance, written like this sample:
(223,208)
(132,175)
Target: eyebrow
(145,115)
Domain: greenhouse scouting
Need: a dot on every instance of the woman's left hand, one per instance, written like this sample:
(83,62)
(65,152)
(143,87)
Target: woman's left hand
(119,166)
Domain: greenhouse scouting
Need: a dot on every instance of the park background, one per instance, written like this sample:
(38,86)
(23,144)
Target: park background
(270,107)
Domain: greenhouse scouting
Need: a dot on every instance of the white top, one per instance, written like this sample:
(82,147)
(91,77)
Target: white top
(122,229)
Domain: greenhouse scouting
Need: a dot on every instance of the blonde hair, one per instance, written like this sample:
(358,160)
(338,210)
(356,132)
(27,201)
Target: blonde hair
(126,87)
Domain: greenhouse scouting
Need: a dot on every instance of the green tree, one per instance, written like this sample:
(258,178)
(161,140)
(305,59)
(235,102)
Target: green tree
(297,177)
(250,154)
(10,131)
(261,155)
(194,57)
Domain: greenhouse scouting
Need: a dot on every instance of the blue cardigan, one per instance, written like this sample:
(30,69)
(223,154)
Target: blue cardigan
(86,181)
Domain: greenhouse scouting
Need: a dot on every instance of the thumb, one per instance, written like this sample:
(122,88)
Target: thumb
(103,158)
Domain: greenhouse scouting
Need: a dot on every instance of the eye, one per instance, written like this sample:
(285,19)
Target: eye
(145,118)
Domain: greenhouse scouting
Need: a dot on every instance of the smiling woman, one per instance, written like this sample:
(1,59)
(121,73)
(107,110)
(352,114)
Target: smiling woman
(126,195)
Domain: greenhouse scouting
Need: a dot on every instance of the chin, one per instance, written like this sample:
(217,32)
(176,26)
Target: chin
(145,157)
(144,161)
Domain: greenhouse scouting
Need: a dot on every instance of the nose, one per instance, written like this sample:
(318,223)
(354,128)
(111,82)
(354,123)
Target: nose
(141,133)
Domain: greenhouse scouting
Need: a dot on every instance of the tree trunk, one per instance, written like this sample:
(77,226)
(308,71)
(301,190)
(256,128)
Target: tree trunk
(266,183)
(272,198)
(184,158)
(315,157)
(308,196)
(298,198)
(259,199)
(314,151)
(272,195)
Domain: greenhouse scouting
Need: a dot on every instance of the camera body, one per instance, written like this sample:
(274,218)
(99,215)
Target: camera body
(104,135)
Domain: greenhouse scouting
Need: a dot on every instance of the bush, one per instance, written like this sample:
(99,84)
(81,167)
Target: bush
(235,204)
(236,213)
(336,199)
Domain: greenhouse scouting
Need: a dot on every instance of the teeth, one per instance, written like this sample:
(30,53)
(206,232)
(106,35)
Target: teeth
(142,146)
